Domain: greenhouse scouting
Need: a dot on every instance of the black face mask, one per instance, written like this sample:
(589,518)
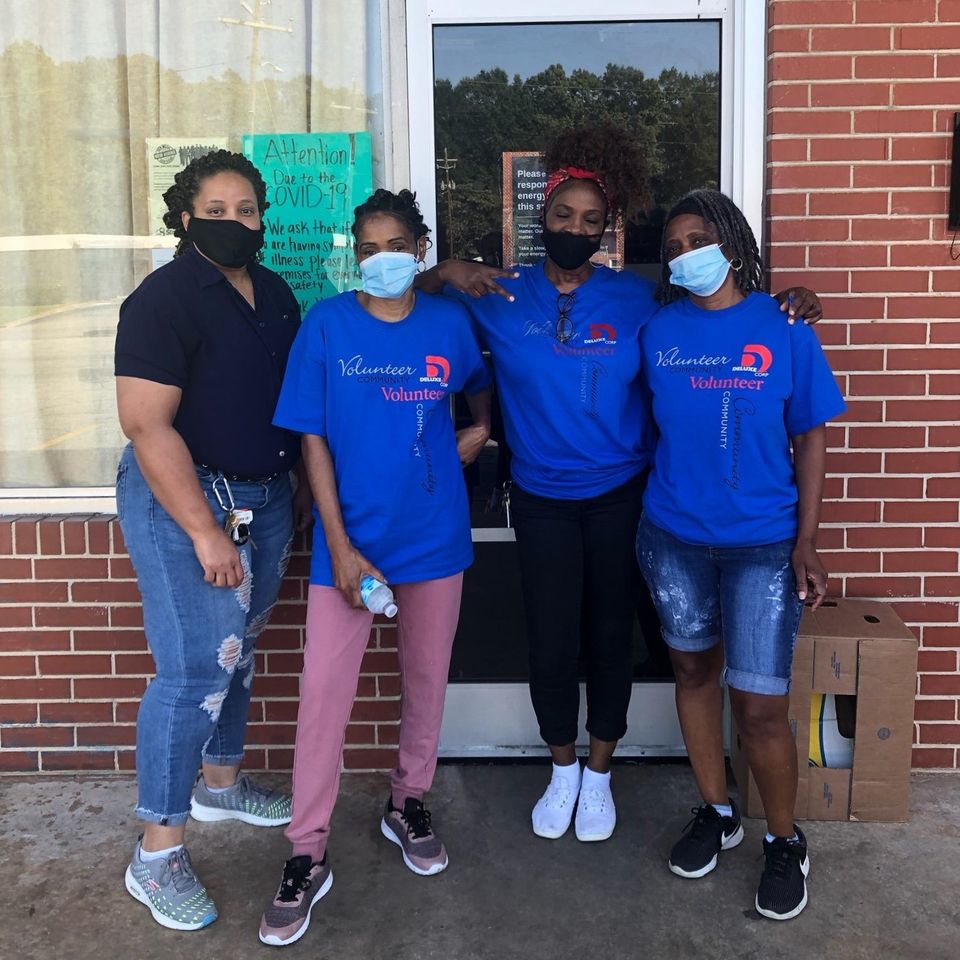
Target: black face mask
(226,242)
(570,250)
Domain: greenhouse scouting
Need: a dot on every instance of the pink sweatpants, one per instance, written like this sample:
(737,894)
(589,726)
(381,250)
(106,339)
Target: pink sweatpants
(337,637)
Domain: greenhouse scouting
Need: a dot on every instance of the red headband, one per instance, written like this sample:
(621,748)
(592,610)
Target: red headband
(574,173)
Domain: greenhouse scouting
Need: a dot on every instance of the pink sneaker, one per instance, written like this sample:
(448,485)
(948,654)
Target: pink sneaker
(410,830)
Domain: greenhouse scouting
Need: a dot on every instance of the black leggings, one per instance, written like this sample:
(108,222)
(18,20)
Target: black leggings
(580,580)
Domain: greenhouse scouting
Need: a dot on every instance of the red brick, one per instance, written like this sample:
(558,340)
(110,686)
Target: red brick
(885,333)
(808,230)
(15,569)
(31,688)
(932,758)
(926,613)
(885,488)
(855,359)
(810,122)
(106,591)
(286,663)
(107,736)
(388,734)
(850,95)
(128,616)
(920,148)
(920,255)
(6,536)
(941,636)
(939,37)
(945,384)
(266,734)
(19,761)
(851,561)
(926,92)
(888,281)
(269,687)
(289,613)
(845,462)
(33,592)
(18,666)
(827,255)
(896,120)
(921,410)
(379,661)
(917,202)
(941,537)
(781,96)
(840,204)
(882,587)
(853,38)
(127,761)
(893,66)
(896,11)
(945,333)
(860,511)
(98,536)
(830,538)
(925,359)
(781,257)
(875,175)
(935,710)
(374,710)
(886,384)
(125,711)
(785,205)
(358,758)
(940,488)
(810,11)
(851,308)
(51,539)
(71,616)
(361,734)
(281,711)
(280,638)
(15,617)
(71,568)
(785,40)
(25,640)
(108,640)
(36,737)
(18,713)
(78,760)
(920,560)
(948,64)
(25,536)
(944,436)
(847,148)
(880,537)
(941,586)
(806,175)
(74,537)
(108,688)
(940,733)
(937,661)
(930,461)
(134,664)
(76,712)
(933,512)
(278,758)
(68,665)
(121,569)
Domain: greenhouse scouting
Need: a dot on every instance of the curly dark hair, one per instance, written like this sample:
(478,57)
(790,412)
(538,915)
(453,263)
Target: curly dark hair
(734,232)
(403,206)
(611,152)
(186,186)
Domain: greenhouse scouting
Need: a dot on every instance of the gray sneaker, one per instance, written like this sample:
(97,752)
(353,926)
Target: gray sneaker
(410,830)
(170,890)
(243,801)
(288,915)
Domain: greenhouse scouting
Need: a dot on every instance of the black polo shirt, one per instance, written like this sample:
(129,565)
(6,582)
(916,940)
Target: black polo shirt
(187,326)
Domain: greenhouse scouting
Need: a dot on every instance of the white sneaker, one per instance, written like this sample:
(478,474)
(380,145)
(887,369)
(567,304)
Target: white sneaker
(596,811)
(554,810)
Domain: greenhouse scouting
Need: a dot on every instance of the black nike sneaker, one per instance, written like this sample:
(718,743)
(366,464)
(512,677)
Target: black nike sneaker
(782,893)
(696,853)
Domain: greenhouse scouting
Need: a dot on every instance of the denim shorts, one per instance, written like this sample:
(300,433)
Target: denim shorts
(744,596)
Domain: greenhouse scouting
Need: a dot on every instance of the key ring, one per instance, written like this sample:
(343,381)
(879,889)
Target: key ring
(226,486)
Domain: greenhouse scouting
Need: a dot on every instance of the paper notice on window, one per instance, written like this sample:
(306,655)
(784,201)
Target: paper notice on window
(314,181)
(166,157)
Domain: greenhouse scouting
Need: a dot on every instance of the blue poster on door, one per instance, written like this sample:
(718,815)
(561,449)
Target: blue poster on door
(314,181)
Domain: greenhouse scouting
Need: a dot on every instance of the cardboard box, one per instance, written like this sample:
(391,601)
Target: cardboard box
(861,648)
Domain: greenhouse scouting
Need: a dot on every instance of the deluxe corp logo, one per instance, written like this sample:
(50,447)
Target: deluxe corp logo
(438,370)
(756,359)
(601,333)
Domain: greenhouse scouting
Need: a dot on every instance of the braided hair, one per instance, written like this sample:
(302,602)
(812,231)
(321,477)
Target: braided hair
(612,153)
(734,232)
(402,206)
(186,185)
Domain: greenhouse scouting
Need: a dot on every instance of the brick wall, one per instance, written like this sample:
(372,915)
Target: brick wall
(861,100)
(73,661)
(859,113)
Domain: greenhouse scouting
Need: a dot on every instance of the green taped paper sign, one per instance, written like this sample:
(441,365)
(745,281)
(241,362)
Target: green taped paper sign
(314,181)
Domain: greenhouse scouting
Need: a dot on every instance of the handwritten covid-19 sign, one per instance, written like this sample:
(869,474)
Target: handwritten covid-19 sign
(314,181)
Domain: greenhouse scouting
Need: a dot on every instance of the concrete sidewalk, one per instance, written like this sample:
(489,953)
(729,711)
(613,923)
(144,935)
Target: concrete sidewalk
(876,890)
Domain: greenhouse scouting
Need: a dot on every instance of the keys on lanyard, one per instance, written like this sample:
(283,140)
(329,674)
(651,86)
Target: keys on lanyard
(239,519)
(507,484)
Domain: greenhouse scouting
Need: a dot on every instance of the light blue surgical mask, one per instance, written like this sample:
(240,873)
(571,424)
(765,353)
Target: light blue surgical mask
(388,274)
(700,271)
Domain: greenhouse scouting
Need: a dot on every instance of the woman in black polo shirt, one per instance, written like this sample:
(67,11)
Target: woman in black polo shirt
(204,500)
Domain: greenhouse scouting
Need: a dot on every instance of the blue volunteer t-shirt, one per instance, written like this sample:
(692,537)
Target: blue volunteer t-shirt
(730,388)
(380,394)
(576,414)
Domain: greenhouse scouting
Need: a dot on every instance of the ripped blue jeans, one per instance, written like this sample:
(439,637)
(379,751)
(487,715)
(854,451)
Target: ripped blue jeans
(744,596)
(202,637)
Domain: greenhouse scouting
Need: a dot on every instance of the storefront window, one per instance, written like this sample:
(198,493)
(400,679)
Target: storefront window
(96,95)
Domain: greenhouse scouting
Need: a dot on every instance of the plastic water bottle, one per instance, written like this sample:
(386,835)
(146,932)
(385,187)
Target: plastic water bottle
(377,597)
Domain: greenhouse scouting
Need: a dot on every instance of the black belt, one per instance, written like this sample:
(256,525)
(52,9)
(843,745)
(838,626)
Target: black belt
(236,478)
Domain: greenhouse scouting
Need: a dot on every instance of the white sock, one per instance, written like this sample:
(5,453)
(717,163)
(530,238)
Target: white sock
(595,781)
(770,838)
(724,809)
(570,771)
(218,789)
(147,855)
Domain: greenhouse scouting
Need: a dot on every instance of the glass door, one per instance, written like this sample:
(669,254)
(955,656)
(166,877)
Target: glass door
(486,95)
